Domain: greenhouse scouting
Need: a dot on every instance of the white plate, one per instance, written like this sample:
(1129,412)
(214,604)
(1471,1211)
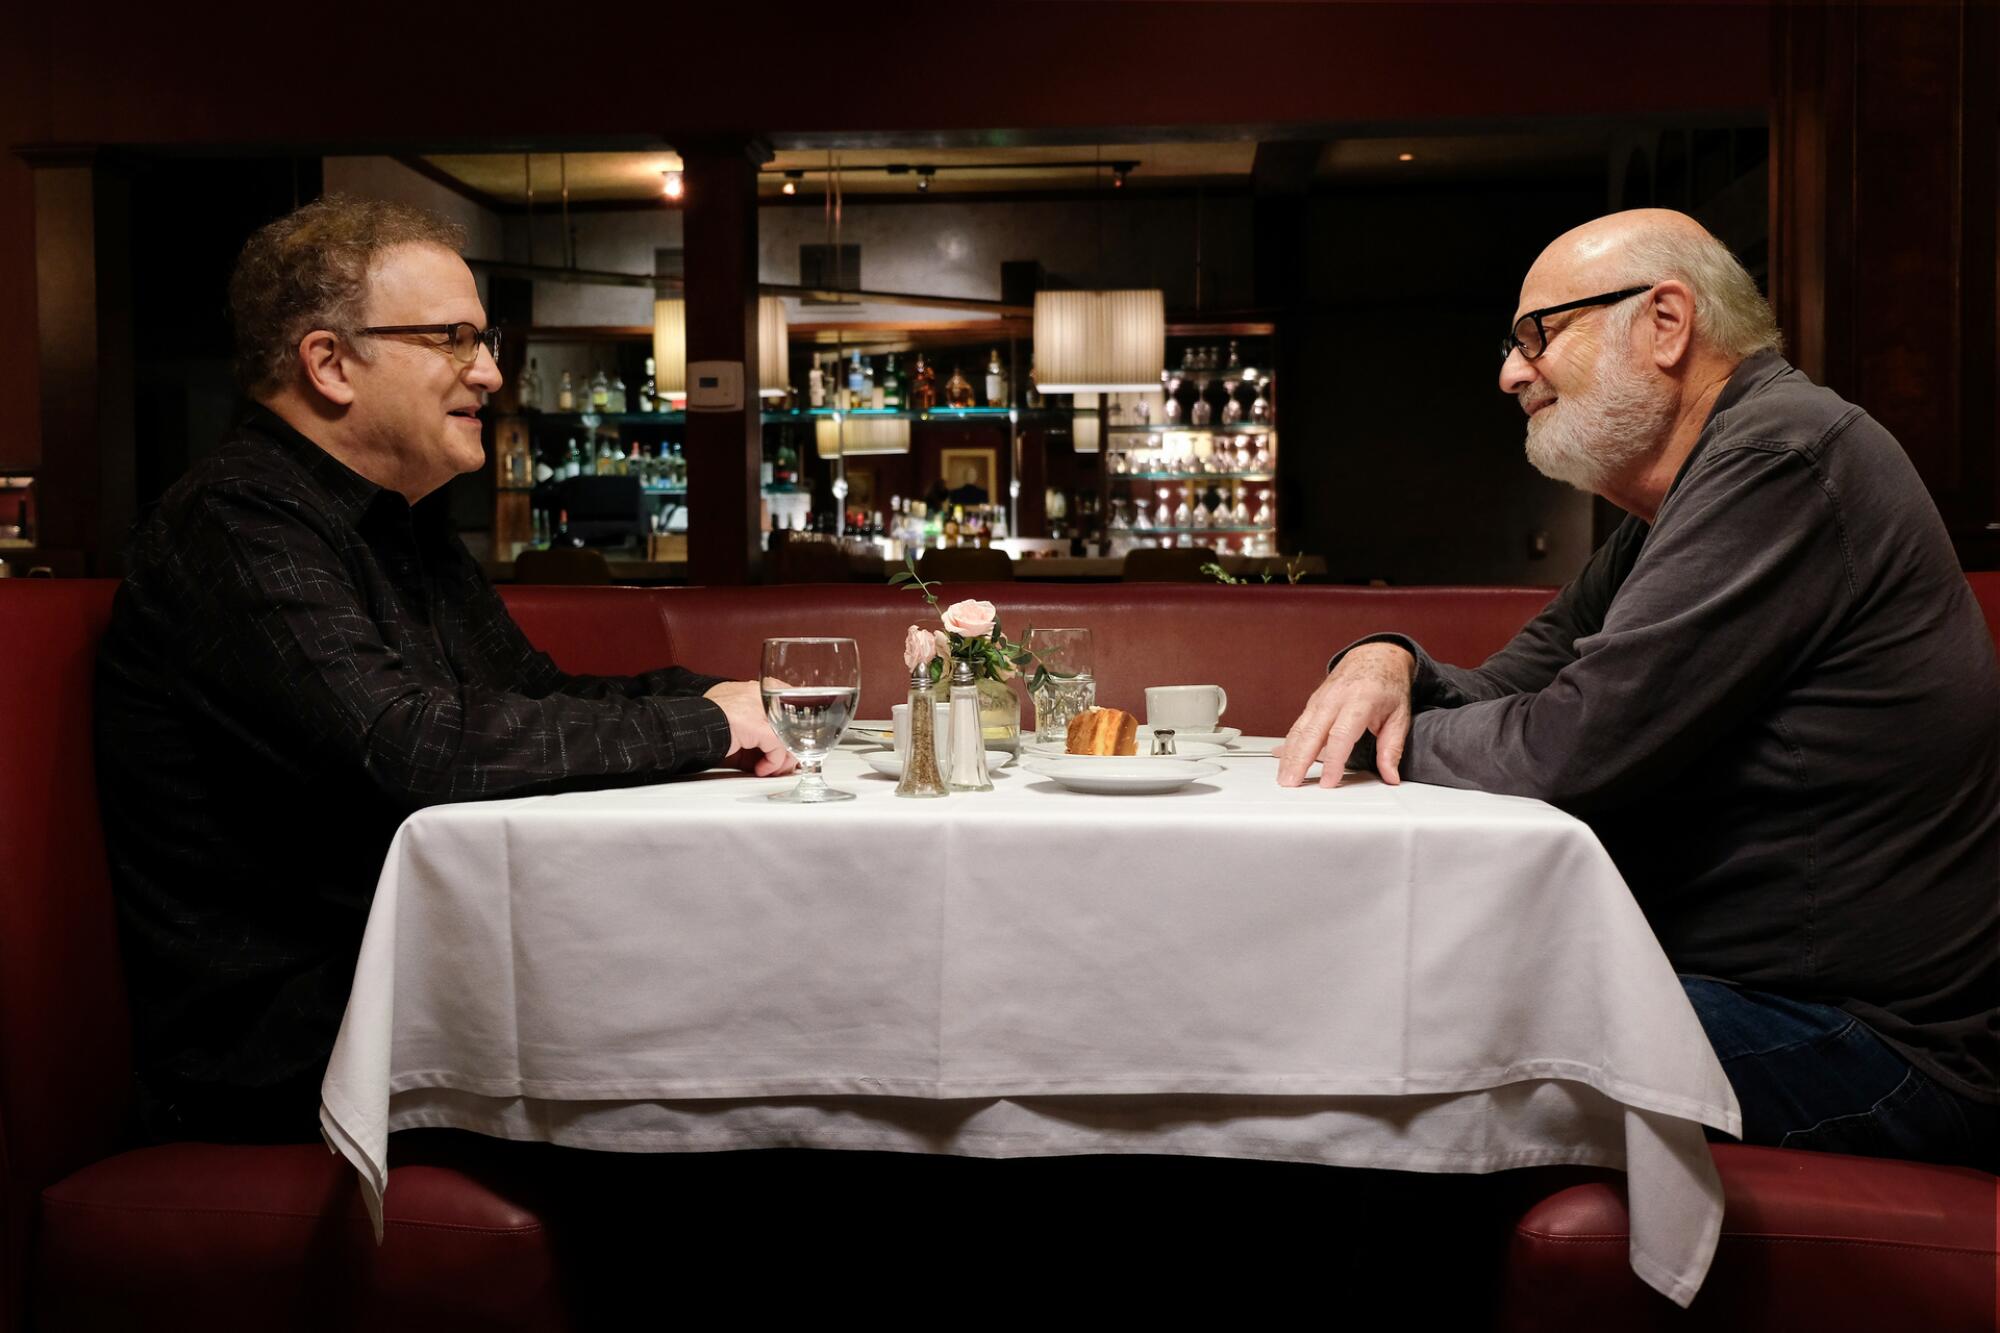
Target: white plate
(1121,775)
(890,763)
(1219,737)
(870,729)
(1189,750)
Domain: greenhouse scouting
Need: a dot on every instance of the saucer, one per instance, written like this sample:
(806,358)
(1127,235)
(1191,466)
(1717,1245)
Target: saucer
(890,764)
(1220,736)
(1189,750)
(1121,775)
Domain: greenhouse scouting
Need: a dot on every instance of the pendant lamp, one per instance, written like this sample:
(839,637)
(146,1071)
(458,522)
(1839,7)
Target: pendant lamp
(1086,424)
(1100,341)
(670,347)
(844,433)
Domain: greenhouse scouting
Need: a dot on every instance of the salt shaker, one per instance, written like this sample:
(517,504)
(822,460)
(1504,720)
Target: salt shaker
(1163,741)
(920,766)
(968,746)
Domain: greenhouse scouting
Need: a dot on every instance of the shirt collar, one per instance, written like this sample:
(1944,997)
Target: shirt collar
(1750,375)
(351,496)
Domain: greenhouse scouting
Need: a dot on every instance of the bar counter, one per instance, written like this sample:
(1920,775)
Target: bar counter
(1043,569)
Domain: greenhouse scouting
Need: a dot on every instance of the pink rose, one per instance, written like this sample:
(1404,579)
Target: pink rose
(919,647)
(970,620)
(943,643)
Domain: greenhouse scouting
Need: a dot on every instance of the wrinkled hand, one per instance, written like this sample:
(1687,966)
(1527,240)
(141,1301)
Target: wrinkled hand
(753,746)
(1368,692)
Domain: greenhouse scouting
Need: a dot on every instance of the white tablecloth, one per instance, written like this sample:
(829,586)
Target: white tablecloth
(1409,977)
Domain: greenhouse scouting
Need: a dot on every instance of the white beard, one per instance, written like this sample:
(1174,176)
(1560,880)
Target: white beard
(1590,438)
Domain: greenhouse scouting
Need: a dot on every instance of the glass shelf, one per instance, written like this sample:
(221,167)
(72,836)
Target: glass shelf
(1231,531)
(1160,428)
(591,420)
(1192,476)
(899,414)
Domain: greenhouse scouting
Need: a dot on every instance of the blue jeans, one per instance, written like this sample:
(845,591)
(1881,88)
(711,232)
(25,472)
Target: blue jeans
(1813,1076)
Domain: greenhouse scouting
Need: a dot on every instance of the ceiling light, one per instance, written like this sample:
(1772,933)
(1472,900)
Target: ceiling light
(1406,157)
(924,175)
(1119,171)
(790,188)
(792,179)
(671,184)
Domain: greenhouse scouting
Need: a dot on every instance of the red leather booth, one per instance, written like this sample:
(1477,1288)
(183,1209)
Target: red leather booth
(99,1232)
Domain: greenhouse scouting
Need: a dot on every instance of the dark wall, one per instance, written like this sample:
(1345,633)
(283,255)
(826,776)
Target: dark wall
(181,260)
(1404,460)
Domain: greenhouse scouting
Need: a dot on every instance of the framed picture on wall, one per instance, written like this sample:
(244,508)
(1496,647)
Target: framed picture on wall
(861,489)
(966,469)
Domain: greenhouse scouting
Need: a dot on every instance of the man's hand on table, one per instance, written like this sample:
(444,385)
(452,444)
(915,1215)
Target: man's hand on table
(1368,692)
(753,746)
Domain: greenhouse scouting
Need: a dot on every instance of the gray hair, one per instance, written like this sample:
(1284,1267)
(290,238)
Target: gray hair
(1730,315)
(309,270)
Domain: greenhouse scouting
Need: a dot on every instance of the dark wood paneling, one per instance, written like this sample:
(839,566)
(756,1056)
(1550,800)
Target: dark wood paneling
(724,449)
(1885,147)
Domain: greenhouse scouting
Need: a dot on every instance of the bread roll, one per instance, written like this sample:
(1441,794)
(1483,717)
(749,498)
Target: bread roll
(1103,731)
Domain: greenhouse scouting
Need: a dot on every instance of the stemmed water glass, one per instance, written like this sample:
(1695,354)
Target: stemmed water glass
(809,688)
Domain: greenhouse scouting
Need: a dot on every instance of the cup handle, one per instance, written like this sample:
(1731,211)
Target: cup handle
(1221,701)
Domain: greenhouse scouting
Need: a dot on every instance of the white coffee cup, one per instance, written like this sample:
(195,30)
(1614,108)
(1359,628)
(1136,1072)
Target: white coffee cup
(899,720)
(1185,707)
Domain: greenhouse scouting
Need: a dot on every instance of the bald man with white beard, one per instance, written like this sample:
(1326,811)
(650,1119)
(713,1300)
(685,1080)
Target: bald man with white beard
(1770,693)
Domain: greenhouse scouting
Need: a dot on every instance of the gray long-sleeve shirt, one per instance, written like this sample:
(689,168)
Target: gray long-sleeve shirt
(1778,707)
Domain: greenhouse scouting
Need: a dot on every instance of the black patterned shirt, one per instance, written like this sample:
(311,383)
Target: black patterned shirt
(296,661)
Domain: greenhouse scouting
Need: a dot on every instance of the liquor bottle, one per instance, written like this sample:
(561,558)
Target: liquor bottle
(996,381)
(649,389)
(923,390)
(892,386)
(563,537)
(875,394)
(607,458)
(530,394)
(816,385)
(951,526)
(616,402)
(572,460)
(600,391)
(566,395)
(679,476)
(632,465)
(957,390)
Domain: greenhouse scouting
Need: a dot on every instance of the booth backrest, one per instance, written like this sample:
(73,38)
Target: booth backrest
(1266,645)
(64,1030)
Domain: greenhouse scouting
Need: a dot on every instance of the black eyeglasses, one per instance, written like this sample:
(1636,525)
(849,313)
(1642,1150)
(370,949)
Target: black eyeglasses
(464,340)
(1529,335)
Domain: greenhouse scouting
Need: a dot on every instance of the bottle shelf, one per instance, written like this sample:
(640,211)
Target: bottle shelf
(1193,476)
(1161,428)
(1191,531)
(902,414)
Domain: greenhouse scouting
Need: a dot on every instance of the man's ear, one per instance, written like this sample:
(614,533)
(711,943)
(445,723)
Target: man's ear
(1672,320)
(323,358)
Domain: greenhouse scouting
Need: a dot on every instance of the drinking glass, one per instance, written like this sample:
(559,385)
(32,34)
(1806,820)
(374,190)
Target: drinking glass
(810,687)
(1070,687)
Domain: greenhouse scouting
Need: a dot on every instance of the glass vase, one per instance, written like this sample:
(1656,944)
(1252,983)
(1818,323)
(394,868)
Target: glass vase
(999,711)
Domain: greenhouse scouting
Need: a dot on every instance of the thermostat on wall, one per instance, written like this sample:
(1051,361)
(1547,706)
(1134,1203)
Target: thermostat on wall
(715,386)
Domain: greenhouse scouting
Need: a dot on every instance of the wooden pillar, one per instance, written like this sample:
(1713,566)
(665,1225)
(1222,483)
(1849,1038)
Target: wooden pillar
(1885,144)
(85,489)
(724,449)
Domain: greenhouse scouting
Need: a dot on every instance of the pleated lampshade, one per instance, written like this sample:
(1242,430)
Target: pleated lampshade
(1099,342)
(851,435)
(670,347)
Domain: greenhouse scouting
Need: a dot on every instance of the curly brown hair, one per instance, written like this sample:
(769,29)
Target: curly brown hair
(309,270)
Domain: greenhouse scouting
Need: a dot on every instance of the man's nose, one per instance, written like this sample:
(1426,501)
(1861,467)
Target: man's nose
(1516,372)
(484,372)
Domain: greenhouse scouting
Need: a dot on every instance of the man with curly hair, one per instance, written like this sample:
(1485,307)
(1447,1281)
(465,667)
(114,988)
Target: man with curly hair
(304,653)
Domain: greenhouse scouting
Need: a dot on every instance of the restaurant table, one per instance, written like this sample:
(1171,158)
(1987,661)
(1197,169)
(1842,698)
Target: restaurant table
(1405,977)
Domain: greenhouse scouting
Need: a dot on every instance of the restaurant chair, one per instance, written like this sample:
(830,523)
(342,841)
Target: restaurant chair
(797,560)
(967,564)
(1169,564)
(575,566)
